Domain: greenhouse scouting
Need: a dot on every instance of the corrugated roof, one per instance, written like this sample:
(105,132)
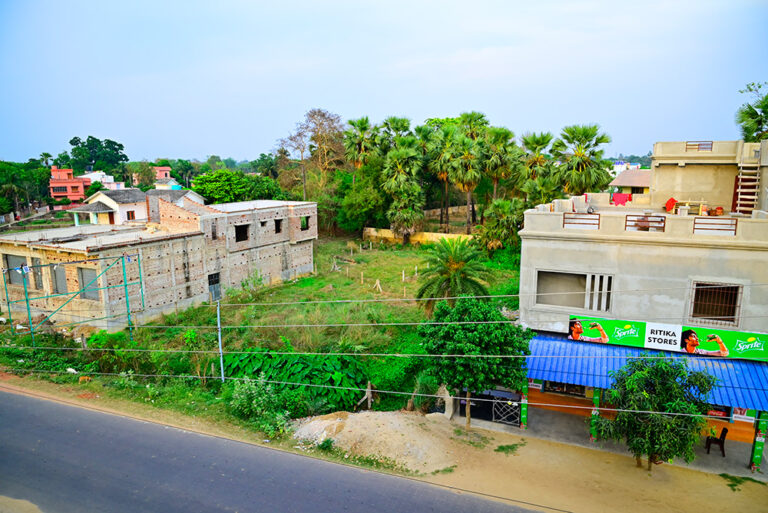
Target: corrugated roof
(633,178)
(741,383)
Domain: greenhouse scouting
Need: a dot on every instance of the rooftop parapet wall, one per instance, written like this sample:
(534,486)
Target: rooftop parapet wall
(629,226)
(704,152)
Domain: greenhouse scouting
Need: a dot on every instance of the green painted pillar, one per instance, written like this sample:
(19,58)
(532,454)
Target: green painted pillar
(595,415)
(524,406)
(77,219)
(761,427)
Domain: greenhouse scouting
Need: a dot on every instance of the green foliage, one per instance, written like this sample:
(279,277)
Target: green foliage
(226,186)
(492,338)
(735,482)
(503,219)
(664,385)
(326,445)
(94,188)
(103,155)
(337,371)
(269,407)
(510,448)
(582,167)
(752,117)
(453,269)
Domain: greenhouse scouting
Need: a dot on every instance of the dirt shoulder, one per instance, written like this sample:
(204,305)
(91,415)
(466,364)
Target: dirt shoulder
(436,450)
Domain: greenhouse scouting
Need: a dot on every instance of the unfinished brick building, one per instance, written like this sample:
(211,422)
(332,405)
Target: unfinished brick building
(191,255)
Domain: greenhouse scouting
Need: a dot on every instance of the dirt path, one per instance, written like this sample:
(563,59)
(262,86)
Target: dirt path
(535,471)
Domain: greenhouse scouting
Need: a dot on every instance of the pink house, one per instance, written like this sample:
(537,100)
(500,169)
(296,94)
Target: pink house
(63,184)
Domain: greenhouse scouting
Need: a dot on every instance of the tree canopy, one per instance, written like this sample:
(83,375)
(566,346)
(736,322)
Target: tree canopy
(494,338)
(226,186)
(752,117)
(665,401)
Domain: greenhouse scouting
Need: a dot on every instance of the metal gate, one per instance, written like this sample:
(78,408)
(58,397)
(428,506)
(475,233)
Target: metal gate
(507,412)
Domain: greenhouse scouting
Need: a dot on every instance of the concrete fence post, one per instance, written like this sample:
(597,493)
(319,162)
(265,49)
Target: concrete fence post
(218,326)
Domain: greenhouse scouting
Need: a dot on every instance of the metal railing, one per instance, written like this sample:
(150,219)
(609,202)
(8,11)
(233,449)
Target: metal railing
(581,221)
(644,223)
(698,146)
(706,225)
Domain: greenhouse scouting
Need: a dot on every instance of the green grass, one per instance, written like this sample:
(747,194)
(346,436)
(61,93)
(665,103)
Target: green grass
(471,438)
(735,482)
(510,448)
(446,470)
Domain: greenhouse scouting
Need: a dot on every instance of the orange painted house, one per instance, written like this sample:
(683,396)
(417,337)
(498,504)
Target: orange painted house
(63,184)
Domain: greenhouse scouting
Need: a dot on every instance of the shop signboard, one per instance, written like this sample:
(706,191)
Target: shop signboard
(670,337)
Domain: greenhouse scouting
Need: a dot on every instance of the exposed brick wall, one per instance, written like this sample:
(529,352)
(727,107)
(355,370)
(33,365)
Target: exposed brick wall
(176,218)
(194,206)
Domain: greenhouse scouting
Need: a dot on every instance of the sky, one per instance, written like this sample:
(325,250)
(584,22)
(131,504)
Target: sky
(188,79)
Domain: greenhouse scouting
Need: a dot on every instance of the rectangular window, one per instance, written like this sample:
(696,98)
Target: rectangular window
(214,235)
(564,388)
(263,224)
(278,225)
(59,189)
(637,190)
(13,262)
(305,223)
(75,188)
(716,302)
(85,276)
(59,279)
(214,286)
(574,290)
(37,273)
(130,215)
(241,232)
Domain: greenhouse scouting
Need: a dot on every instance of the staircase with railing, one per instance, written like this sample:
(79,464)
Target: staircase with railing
(747,187)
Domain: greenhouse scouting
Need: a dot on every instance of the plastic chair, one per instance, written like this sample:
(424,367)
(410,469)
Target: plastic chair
(711,440)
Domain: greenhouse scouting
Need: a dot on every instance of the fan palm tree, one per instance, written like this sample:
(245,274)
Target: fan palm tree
(503,219)
(535,146)
(454,269)
(45,157)
(466,171)
(441,149)
(753,119)
(499,155)
(473,123)
(401,167)
(582,167)
(358,143)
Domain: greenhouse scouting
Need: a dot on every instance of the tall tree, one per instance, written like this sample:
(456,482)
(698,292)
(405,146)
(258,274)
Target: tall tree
(475,329)
(499,155)
(442,149)
(185,170)
(582,167)
(358,143)
(298,142)
(326,133)
(45,157)
(473,123)
(503,219)
(660,404)
(466,171)
(401,168)
(536,145)
(453,269)
(753,117)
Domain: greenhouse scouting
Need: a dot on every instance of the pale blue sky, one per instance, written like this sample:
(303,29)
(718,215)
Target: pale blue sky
(188,79)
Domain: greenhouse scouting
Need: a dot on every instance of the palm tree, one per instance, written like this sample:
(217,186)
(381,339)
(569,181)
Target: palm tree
(466,171)
(473,123)
(358,143)
(581,159)
(453,269)
(503,219)
(536,146)
(45,157)
(407,210)
(499,155)
(401,167)
(392,128)
(753,119)
(442,149)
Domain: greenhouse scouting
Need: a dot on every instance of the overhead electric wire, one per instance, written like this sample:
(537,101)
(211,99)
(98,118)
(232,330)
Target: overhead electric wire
(356,389)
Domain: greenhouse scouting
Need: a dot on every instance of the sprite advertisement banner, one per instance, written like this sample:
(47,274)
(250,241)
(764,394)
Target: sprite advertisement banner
(669,337)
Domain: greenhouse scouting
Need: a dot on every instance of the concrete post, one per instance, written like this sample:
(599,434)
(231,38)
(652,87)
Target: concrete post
(77,219)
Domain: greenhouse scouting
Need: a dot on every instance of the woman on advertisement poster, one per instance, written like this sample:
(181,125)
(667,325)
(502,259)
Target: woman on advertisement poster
(689,342)
(575,331)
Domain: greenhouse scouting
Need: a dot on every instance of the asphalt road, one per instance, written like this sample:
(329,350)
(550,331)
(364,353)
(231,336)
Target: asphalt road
(63,458)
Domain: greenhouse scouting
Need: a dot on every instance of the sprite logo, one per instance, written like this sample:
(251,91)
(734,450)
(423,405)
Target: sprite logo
(751,344)
(627,331)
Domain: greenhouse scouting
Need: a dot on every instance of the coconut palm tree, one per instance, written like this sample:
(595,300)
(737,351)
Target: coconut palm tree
(453,269)
(358,143)
(466,171)
(442,149)
(581,167)
(499,155)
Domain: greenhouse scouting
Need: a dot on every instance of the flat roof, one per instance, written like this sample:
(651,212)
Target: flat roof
(87,238)
(633,178)
(240,206)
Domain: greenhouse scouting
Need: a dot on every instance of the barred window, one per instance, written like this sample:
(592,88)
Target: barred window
(717,303)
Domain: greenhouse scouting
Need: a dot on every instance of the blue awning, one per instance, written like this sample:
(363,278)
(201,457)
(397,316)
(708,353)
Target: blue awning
(740,383)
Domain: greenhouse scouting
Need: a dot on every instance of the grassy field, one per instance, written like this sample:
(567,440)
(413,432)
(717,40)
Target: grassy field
(356,278)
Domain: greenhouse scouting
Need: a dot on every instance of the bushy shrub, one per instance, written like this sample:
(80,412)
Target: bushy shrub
(270,409)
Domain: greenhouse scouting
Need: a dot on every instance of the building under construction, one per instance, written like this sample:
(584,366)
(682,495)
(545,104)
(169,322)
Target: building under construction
(110,275)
